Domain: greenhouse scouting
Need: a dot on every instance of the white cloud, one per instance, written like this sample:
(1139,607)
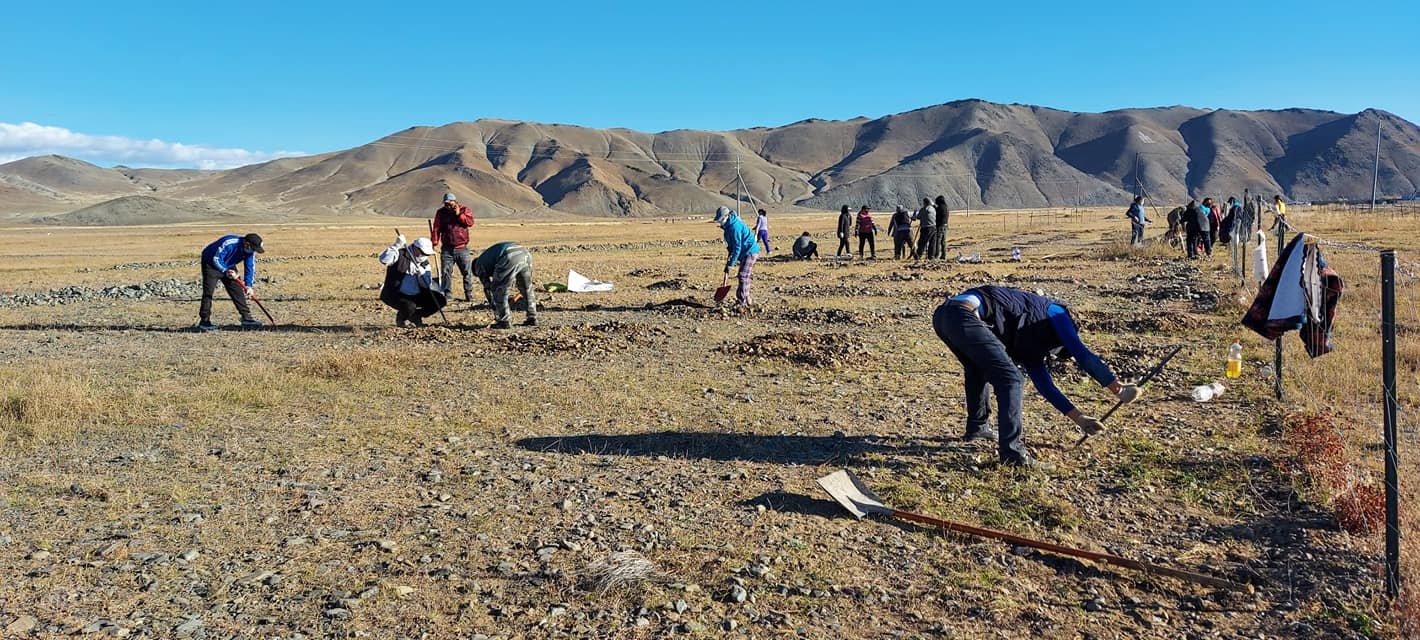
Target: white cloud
(29,139)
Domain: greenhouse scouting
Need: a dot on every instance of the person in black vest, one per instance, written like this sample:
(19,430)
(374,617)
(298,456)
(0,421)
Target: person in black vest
(845,222)
(997,331)
(901,231)
(943,213)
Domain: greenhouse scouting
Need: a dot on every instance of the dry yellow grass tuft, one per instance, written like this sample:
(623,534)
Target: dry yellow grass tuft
(44,402)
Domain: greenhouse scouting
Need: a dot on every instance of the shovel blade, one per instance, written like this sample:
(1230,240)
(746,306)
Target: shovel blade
(721,292)
(850,492)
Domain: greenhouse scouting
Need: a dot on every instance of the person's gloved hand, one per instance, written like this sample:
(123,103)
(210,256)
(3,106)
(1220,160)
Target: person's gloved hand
(1088,424)
(399,241)
(1129,393)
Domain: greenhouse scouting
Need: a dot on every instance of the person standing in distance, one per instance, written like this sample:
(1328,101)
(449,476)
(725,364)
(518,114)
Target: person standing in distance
(451,225)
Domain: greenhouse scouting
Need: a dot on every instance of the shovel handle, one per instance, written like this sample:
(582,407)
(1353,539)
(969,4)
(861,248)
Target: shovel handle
(1095,556)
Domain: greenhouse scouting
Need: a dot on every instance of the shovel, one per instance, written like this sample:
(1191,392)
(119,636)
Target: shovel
(1144,381)
(723,290)
(850,492)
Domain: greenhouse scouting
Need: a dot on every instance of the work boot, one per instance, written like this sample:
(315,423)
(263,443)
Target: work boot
(251,323)
(530,322)
(501,325)
(400,319)
(206,325)
(416,321)
(984,433)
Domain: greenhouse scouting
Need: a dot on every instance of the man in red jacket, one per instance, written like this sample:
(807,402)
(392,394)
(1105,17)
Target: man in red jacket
(451,223)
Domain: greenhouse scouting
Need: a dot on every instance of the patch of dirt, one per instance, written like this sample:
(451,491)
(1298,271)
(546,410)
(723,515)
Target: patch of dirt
(822,316)
(814,349)
(1134,321)
(826,291)
(673,284)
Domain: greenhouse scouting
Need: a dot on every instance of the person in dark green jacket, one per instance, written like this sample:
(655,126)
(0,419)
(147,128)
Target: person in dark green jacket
(500,267)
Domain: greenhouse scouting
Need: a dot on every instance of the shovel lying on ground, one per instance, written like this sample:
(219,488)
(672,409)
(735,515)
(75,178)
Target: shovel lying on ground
(847,490)
(1144,381)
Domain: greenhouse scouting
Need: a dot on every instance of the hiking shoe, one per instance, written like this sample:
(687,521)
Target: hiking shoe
(401,319)
(530,322)
(500,325)
(416,321)
(986,433)
(251,323)
(206,325)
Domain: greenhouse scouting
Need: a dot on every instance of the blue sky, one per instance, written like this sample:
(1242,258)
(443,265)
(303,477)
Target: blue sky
(215,84)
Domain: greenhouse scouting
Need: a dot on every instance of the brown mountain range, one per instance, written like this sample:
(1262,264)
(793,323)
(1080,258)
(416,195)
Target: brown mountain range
(978,154)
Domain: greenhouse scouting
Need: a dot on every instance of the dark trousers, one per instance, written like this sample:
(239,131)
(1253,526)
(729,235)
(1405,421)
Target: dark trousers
(926,242)
(941,239)
(843,245)
(1207,239)
(449,258)
(984,361)
(210,277)
(498,294)
(1136,234)
(808,252)
(1191,241)
(868,239)
(416,307)
(902,245)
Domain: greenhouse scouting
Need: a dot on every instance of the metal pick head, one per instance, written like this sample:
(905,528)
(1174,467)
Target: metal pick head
(850,492)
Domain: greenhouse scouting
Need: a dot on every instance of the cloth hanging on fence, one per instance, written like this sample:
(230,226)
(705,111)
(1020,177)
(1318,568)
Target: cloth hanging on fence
(1301,293)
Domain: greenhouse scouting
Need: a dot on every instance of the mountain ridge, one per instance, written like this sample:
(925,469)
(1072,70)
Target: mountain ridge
(978,154)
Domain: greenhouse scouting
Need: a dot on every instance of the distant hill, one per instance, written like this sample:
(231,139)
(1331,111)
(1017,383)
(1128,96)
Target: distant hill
(130,210)
(978,154)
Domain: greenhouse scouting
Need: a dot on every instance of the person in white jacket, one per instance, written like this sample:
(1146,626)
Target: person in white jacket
(409,287)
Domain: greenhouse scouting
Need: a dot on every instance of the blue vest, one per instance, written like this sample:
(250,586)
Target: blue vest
(1021,320)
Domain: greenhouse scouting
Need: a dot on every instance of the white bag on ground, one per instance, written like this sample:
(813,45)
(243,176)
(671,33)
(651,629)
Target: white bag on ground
(581,284)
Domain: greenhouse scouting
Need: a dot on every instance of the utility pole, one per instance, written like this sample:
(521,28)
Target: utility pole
(1376,173)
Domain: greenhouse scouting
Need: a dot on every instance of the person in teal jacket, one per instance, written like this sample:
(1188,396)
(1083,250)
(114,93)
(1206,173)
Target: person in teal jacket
(741,249)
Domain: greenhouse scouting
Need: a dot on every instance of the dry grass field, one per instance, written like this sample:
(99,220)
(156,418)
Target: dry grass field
(335,476)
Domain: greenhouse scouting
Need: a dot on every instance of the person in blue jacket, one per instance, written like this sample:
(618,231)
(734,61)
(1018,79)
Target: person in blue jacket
(742,250)
(997,331)
(219,264)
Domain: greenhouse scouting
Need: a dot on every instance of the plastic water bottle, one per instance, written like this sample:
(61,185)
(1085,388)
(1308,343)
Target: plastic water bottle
(1016,254)
(1234,369)
(1207,392)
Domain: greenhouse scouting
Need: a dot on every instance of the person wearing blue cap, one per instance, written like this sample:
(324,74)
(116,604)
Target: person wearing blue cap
(741,248)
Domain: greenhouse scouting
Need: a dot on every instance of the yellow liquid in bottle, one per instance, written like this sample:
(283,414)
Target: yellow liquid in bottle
(1234,369)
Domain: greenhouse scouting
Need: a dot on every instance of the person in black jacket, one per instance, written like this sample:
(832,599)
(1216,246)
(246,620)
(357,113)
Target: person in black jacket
(409,288)
(845,225)
(943,213)
(1192,230)
(997,331)
(901,230)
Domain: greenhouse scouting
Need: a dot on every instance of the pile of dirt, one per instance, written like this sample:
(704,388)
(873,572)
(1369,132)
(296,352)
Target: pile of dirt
(171,288)
(581,339)
(822,316)
(673,284)
(813,349)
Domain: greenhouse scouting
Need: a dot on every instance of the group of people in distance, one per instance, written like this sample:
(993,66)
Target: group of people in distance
(994,332)
(931,241)
(1198,226)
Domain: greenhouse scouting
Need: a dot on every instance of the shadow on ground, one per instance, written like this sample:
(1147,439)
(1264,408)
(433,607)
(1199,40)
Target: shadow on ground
(779,449)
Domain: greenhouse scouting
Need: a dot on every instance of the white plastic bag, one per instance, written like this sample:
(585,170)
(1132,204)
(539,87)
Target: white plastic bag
(581,284)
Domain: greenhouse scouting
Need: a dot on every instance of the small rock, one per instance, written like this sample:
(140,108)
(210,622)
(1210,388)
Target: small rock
(680,606)
(337,613)
(388,546)
(402,590)
(1093,605)
(737,594)
(21,625)
(188,628)
(189,555)
(38,555)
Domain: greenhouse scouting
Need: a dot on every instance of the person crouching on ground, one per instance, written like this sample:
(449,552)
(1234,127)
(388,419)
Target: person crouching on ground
(409,286)
(499,268)
(740,249)
(994,332)
(219,264)
(805,248)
